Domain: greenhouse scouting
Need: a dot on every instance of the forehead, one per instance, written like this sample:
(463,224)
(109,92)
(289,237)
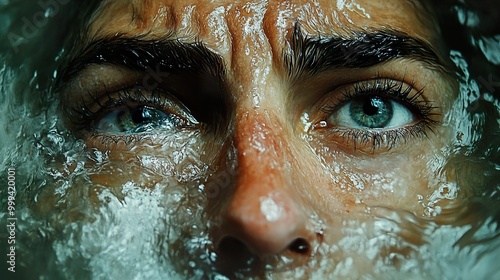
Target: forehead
(212,21)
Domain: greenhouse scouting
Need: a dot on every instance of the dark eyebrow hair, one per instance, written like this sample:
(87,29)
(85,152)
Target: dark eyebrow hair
(365,49)
(141,55)
(309,55)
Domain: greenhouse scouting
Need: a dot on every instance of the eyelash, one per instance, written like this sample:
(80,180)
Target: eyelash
(83,116)
(391,89)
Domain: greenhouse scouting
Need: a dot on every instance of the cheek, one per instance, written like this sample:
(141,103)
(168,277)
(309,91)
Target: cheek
(396,181)
(148,167)
(395,188)
(110,169)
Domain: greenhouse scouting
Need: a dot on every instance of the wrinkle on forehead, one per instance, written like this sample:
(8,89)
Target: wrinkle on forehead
(148,15)
(150,18)
(221,24)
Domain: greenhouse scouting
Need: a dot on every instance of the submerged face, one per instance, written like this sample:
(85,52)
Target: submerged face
(279,121)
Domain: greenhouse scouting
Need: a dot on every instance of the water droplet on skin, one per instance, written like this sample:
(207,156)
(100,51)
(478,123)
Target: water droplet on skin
(270,209)
(116,230)
(306,122)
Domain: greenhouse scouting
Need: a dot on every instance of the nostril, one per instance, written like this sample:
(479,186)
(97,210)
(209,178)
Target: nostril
(300,246)
(234,254)
(231,246)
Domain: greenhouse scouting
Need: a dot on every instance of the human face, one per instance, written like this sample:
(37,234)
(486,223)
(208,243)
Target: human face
(286,118)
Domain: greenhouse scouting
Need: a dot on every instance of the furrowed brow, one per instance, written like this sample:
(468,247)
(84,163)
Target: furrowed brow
(310,56)
(142,55)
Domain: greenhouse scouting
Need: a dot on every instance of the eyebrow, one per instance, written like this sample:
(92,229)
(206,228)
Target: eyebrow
(311,56)
(308,56)
(137,54)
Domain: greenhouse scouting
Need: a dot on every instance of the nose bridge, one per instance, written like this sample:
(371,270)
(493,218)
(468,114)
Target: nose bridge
(252,52)
(255,90)
(263,212)
(260,150)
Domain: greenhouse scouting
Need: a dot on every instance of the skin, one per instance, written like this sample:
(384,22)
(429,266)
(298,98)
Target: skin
(275,180)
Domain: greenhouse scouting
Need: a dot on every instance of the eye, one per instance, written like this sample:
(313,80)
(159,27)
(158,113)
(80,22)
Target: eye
(137,119)
(132,111)
(373,112)
(376,113)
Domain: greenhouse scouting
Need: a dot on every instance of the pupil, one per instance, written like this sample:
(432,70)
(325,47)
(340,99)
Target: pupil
(141,115)
(371,112)
(371,108)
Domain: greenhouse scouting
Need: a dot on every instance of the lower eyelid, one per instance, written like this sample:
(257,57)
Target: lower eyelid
(370,141)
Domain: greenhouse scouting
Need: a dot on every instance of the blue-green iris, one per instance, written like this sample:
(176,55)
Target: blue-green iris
(371,112)
(142,118)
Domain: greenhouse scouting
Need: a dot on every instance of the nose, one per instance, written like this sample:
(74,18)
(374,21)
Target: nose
(264,224)
(264,215)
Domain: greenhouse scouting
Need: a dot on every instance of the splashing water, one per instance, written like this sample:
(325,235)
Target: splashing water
(161,232)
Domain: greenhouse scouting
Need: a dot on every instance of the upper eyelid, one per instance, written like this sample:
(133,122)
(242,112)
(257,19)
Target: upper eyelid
(195,92)
(104,99)
(402,90)
(386,88)
(85,115)
(95,80)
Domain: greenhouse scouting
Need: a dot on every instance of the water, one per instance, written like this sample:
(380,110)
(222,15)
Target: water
(70,225)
